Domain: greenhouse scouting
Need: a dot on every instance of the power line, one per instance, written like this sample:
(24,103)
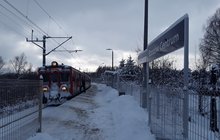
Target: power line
(12,28)
(14,21)
(22,20)
(23,15)
(47,13)
(28,19)
(50,16)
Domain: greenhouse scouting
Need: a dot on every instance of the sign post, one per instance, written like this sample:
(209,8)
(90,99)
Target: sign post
(172,39)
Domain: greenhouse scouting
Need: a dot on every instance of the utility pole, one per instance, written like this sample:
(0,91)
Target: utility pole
(145,65)
(44,50)
(34,41)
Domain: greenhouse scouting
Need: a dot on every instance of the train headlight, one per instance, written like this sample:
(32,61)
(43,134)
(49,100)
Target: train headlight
(54,64)
(64,88)
(45,89)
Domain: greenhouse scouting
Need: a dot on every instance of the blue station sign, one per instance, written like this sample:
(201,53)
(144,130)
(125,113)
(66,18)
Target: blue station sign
(170,40)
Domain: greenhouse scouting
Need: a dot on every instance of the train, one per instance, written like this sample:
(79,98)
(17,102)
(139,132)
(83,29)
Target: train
(62,82)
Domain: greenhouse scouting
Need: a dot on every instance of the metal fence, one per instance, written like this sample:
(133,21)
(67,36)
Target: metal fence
(166,112)
(20,103)
(204,115)
(166,109)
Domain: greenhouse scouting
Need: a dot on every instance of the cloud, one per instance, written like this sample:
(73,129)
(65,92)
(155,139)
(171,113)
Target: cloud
(95,26)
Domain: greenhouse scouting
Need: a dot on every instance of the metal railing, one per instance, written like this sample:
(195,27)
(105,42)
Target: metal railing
(166,110)
(20,102)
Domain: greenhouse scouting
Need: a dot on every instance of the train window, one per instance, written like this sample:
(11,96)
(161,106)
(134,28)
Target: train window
(45,78)
(54,77)
(65,77)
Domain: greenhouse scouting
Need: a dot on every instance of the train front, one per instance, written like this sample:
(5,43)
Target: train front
(56,83)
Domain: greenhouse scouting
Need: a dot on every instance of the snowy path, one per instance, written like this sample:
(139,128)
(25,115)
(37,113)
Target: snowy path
(98,114)
(73,123)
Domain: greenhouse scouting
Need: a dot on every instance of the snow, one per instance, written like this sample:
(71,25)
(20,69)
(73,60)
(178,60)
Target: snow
(42,136)
(98,114)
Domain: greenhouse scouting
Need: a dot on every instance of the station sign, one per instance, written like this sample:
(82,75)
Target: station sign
(170,40)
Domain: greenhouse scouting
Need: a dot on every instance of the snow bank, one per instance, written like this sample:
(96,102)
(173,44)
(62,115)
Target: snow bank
(120,117)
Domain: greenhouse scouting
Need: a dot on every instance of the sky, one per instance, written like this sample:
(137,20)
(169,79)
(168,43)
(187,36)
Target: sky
(98,114)
(94,26)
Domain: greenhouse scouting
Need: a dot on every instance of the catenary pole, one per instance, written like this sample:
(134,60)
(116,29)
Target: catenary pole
(44,50)
(44,45)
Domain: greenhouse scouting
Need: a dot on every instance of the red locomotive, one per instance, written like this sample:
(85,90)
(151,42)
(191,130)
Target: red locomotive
(61,82)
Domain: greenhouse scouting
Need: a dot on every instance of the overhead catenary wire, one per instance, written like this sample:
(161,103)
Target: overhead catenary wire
(53,19)
(24,16)
(12,28)
(19,18)
(25,23)
(28,22)
(14,21)
(60,27)
(35,26)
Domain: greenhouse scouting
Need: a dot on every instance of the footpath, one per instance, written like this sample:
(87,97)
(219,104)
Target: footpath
(98,114)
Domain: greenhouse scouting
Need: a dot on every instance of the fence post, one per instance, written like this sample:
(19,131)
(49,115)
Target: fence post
(149,109)
(40,104)
(118,82)
(218,115)
(158,103)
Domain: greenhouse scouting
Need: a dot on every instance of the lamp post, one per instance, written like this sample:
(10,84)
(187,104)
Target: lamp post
(112,58)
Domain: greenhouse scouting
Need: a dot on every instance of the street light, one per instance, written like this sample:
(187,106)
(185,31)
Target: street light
(112,58)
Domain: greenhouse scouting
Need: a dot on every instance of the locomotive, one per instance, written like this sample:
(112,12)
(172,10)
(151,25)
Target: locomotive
(62,82)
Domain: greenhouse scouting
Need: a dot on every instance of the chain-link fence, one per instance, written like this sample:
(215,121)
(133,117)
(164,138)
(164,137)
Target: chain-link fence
(20,102)
(204,115)
(167,103)
(166,112)
(123,86)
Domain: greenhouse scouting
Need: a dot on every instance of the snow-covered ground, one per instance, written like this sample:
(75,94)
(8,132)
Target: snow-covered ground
(98,114)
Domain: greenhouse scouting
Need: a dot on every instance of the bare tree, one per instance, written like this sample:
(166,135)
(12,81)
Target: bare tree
(19,63)
(210,44)
(163,63)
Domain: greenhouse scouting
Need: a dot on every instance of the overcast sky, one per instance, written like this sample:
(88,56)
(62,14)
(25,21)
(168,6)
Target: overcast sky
(95,25)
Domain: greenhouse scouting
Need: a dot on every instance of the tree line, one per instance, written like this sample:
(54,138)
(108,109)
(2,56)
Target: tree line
(17,68)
